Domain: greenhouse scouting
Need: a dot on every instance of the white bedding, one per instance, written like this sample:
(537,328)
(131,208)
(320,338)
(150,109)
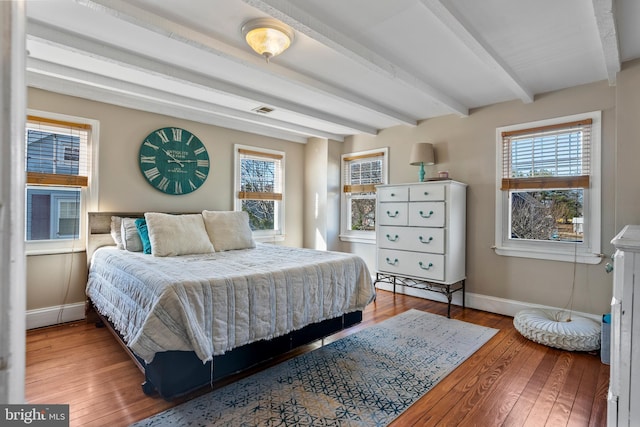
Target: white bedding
(212,303)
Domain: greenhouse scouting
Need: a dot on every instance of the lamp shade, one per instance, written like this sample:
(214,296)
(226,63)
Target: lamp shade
(267,37)
(422,154)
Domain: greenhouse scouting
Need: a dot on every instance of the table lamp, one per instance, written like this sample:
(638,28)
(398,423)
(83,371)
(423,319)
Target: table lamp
(422,154)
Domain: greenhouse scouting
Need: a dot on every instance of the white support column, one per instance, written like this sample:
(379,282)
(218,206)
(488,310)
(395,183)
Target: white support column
(13,96)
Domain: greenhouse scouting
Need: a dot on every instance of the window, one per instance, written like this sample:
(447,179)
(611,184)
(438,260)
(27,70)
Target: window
(361,172)
(548,199)
(260,190)
(57,164)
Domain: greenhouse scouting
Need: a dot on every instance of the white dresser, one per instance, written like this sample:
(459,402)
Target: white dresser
(624,386)
(421,236)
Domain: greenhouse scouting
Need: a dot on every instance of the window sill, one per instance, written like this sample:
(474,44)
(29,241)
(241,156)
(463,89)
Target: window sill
(547,254)
(358,239)
(269,238)
(52,251)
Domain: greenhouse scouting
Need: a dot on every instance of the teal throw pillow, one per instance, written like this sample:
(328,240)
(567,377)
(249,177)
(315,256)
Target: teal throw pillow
(141,225)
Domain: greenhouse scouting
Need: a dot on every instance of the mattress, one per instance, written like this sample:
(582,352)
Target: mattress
(212,303)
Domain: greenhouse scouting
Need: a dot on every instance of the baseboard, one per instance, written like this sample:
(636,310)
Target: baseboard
(69,312)
(480,302)
(49,316)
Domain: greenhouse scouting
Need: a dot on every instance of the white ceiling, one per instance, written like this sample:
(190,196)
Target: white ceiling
(355,66)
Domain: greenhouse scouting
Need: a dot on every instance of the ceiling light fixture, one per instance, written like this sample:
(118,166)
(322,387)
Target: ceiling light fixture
(267,36)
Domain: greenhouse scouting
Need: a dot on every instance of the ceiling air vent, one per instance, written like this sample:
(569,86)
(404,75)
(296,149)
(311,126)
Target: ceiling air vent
(263,110)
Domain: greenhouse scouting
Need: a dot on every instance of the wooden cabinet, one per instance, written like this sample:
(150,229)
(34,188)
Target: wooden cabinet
(421,236)
(624,386)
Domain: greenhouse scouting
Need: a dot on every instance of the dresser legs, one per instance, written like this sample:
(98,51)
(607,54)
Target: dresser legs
(447,289)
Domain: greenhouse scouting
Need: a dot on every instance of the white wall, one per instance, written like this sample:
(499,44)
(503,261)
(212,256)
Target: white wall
(466,147)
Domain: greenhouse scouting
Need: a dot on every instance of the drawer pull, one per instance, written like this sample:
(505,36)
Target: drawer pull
(393,194)
(394,262)
(426,193)
(427,241)
(394,239)
(392,215)
(428,267)
(422,214)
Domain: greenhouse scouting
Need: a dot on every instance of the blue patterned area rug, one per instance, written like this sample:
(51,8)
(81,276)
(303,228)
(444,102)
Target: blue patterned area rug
(365,379)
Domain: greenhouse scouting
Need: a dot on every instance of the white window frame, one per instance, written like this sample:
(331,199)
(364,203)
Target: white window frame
(588,251)
(277,235)
(358,236)
(88,194)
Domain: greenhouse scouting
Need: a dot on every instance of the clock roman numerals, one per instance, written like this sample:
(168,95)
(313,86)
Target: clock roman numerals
(152,173)
(177,134)
(148,144)
(163,136)
(163,184)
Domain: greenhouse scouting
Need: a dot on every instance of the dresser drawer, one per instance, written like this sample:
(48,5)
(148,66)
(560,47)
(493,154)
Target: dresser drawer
(393,194)
(426,193)
(427,214)
(417,239)
(420,265)
(393,213)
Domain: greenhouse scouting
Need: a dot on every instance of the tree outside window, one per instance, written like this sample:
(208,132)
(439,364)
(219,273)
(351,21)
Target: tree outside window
(549,189)
(361,172)
(259,189)
(258,177)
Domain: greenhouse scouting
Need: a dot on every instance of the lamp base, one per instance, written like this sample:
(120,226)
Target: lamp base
(421,173)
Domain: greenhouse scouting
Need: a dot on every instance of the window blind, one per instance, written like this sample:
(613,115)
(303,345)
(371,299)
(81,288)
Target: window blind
(556,156)
(363,172)
(56,152)
(261,175)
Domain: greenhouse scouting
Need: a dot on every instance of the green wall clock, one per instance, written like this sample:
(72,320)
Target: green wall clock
(174,161)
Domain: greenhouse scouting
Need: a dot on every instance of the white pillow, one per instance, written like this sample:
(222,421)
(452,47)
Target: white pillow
(172,235)
(228,230)
(116,231)
(130,237)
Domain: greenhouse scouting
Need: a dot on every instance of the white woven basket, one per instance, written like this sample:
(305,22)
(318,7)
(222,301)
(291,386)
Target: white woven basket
(554,329)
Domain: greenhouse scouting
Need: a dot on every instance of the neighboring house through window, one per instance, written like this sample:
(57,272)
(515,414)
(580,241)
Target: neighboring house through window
(361,172)
(548,189)
(259,190)
(57,162)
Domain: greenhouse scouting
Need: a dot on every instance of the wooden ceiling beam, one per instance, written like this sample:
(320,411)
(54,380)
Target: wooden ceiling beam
(604,13)
(322,32)
(462,29)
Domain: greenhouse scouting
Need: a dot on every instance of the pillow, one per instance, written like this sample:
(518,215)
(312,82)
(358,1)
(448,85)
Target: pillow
(228,230)
(141,225)
(172,235)
(116,232)
(130,236)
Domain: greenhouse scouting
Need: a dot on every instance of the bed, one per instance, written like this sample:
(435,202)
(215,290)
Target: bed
(208,301)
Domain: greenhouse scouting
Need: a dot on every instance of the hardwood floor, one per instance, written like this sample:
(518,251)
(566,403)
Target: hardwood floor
(510,381)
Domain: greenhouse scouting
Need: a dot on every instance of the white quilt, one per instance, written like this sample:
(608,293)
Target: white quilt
(212,303)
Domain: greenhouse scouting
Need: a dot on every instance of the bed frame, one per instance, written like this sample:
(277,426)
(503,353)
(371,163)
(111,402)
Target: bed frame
(172,374)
